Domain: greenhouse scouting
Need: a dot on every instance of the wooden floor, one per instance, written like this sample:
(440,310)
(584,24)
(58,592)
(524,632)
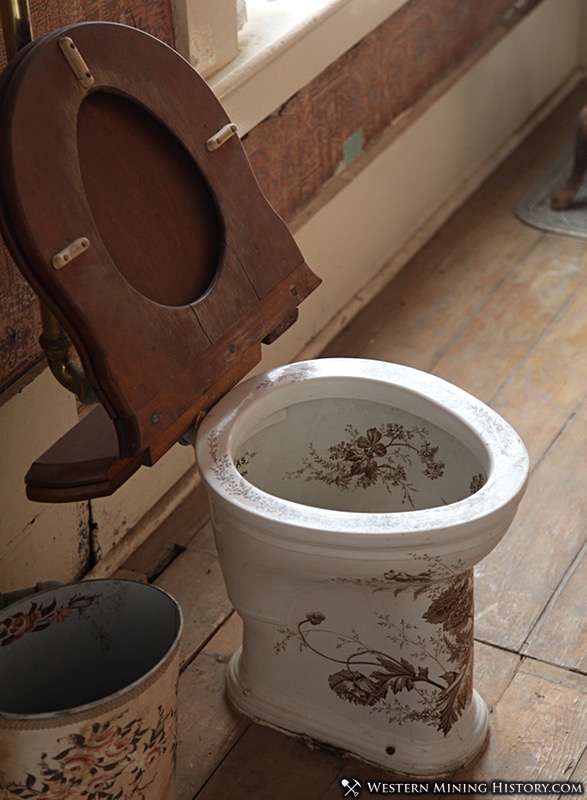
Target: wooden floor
(500,309)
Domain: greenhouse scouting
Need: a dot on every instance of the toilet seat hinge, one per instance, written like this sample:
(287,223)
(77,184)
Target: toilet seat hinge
(76,62)
(70,252)
(223,135)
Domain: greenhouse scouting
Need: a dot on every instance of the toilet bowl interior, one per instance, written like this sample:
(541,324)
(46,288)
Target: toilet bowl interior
(359,455)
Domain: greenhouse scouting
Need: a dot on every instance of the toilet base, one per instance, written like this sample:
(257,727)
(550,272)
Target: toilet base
(407,756)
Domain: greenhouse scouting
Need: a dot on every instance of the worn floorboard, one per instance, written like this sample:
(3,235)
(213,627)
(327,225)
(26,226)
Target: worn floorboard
(209,726)
(549,386)
(514,318)
(516,581)
(195,580)
(557,638)
(538,728)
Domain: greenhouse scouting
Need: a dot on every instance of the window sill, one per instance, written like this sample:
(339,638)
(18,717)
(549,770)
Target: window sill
(284,45)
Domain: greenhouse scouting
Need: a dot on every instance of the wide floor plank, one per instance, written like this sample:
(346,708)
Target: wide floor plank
(195,580)
(579,774)
(550,385)
(494,671)
(560,636)
(209,726)
(423,324)
(537,729)
(516,580)
(515,318)
(267,765)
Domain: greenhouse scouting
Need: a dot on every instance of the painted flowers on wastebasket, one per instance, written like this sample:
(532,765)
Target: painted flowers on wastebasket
(112,761)
(40,616)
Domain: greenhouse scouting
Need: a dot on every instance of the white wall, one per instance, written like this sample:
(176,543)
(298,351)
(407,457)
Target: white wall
(390,206)
(37,541)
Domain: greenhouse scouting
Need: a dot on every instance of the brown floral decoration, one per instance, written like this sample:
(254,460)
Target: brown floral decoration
(112,762)
(368,676)
(379,454)
(41,616)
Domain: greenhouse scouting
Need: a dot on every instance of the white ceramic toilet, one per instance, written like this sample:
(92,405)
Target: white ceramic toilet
(350,501)
(350,498)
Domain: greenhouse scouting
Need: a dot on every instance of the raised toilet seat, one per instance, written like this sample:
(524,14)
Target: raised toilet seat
(350,499)
(135,215)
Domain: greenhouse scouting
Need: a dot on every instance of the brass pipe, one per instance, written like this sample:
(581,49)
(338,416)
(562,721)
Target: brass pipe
(16,25)
(57,347)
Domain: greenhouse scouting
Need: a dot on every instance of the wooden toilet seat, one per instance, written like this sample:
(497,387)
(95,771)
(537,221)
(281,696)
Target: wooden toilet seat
(152,243)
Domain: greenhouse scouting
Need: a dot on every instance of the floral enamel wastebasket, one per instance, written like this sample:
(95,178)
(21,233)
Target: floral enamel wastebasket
(88,693)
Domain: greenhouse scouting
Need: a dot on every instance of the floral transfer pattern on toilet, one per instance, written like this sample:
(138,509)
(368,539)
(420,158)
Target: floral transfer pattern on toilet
(379,454)
(438,668)
(386,466)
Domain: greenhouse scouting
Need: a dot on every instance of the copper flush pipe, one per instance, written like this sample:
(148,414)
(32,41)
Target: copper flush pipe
(16,25)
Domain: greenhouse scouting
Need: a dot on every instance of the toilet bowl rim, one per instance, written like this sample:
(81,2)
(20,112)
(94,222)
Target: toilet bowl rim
(229,422)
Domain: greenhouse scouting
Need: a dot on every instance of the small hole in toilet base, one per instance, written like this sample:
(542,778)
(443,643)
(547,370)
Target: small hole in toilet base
(390,750)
